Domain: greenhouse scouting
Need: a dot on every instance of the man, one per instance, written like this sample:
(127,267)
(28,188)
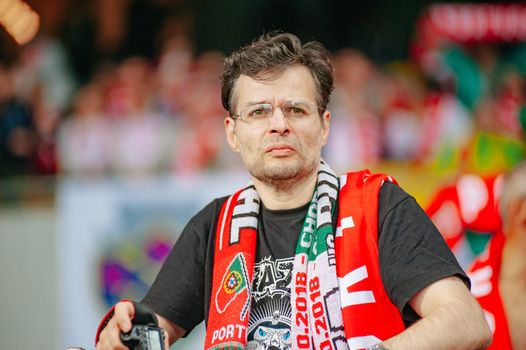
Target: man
(499,273)
(300,259)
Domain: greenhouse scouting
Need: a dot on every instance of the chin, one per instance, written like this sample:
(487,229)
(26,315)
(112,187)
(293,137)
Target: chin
(283,172)
(283,167)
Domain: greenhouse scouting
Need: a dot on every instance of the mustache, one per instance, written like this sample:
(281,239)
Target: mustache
(278,140)
(266,146)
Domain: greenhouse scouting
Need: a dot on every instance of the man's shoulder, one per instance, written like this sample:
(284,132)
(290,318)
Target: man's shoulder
(392,192)
(389,188)
(364,177)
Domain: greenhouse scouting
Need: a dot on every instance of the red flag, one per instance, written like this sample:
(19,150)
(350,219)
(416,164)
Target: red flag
(234,284)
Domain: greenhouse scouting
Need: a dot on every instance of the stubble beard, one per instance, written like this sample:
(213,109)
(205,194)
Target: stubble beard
(284,176)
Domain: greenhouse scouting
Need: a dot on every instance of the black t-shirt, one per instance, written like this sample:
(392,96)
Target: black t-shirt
(412,255)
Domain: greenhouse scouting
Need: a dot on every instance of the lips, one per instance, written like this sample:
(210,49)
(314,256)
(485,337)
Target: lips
(279,148)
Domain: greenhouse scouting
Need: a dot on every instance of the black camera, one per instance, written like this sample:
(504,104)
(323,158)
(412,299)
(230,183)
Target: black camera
(145,333)
(144,338)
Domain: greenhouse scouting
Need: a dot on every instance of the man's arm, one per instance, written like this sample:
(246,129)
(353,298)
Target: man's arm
(451,319)
(174,331)
(122,321)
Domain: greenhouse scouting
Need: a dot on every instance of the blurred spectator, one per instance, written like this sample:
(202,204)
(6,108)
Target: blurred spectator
(499,273)
(483,220)
(17,130)
(46,120)
(509,100)
(200,135)
(140,134)
(355,126)
(44,65)
(174,73)
(466,212)
(85,136)
(42,79)
(402,118)
(447,126)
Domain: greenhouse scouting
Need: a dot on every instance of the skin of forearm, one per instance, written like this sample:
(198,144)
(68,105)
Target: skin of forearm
(174,331)
(451,327)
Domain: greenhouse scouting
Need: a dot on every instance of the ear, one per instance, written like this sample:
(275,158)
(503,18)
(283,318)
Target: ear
(325,124)
(231,136)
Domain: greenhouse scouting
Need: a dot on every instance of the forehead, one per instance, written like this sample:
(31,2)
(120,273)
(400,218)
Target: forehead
(295,83)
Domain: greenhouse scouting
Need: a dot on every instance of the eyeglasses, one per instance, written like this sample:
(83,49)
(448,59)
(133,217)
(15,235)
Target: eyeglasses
(292,110)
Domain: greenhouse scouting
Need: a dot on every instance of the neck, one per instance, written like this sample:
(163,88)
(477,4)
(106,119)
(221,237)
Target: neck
(287,196)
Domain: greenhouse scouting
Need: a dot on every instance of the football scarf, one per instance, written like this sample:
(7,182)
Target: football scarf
(314,290)
(368,314)
(338,300)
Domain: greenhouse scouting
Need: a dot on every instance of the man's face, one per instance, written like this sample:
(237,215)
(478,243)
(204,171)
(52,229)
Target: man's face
(278,150)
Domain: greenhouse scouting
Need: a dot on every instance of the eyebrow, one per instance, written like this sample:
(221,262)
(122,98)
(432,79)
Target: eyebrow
(251,103)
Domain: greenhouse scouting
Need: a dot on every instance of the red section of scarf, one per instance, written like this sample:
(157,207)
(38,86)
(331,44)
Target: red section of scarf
(227,324)
(488,292)
(357,263)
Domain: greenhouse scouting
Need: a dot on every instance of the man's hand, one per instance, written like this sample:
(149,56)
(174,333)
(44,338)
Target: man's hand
(109,338)
(121,321)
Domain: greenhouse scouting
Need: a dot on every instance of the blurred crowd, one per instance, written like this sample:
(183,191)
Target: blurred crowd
(132,117)
(445,106)
(440,108)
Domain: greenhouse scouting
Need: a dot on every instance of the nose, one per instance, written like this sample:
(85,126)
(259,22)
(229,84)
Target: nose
(278,123)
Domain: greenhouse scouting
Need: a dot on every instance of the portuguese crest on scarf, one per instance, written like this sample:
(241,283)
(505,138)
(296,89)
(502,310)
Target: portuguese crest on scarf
(233,270)
(337,295)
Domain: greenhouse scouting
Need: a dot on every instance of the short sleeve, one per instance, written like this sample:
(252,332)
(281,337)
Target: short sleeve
(412,252)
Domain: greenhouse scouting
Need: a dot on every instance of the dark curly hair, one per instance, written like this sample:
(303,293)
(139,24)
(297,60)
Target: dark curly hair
(268,56)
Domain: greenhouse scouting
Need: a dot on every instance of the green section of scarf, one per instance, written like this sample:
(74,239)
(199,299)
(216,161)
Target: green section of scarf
(313,240)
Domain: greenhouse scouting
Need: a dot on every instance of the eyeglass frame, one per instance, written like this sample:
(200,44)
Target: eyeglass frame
(237,116)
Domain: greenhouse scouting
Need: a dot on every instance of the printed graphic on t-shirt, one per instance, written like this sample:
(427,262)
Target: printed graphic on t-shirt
(270,314)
